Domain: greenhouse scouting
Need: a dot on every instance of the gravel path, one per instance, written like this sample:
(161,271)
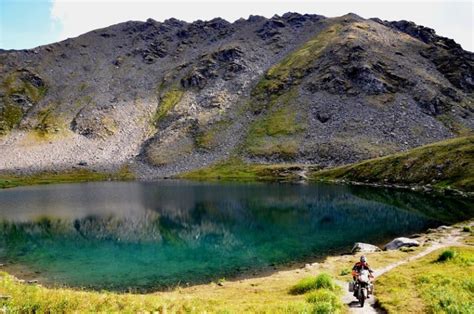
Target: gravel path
(351,301)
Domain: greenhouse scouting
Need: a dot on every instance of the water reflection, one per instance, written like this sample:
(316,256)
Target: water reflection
(146,235)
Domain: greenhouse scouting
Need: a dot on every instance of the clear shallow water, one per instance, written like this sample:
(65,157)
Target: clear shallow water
(122,235)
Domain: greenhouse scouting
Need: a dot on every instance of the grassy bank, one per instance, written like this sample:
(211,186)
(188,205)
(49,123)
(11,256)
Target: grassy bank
(442,282)
(71,176)
(445,164)
(236,170)
(263,296)
(442,165)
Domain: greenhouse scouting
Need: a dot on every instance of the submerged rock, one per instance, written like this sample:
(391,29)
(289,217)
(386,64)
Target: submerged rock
(401,242)
(364,247)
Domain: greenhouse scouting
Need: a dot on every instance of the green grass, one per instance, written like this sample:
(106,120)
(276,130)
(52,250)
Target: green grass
(235,169)
(322,281)
(11,114)
(275,133)
(417,167)
(208,137)
(292,68)
(80,175)
(429,285)
(344,272)
(447,164)
(447,255)
(229,298)
(49,121)
(466,229)
(167,102)
(34,299)
(320,291)
(325,301)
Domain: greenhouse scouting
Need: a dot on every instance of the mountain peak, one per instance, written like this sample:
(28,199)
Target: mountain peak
(165,97)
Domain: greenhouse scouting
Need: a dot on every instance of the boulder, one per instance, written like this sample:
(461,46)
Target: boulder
(365,248)
(401,242)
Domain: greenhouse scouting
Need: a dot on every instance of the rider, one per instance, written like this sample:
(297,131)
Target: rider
(362,264)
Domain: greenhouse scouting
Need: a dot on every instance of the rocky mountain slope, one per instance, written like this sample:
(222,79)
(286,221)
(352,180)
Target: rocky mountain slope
(170,97)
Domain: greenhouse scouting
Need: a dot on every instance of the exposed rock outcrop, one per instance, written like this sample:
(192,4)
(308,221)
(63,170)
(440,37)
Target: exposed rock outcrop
(364,248)
(166,97)
(401,242)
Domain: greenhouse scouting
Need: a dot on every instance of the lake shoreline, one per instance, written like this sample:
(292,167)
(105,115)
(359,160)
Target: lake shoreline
(255,294)
(25,276)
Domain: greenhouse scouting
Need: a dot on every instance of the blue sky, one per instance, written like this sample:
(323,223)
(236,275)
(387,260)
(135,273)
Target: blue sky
(26,24)
(30,23)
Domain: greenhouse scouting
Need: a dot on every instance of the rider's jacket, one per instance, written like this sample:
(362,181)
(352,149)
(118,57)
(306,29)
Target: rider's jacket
(359,266)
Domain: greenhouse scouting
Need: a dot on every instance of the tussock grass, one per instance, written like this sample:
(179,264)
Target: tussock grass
(321,292)
(322,281)
(447,255)
(324,301)
(430,286)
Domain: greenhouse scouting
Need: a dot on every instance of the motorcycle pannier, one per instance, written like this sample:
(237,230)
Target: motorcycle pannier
(351,286)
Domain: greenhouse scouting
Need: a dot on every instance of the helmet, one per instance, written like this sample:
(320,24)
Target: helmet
(363,259)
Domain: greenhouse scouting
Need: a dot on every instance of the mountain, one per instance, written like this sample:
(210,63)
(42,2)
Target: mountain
(165,98)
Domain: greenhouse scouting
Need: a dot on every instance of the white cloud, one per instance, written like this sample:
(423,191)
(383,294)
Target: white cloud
(452,19)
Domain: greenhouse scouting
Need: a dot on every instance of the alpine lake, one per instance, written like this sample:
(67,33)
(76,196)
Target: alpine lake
(142,236)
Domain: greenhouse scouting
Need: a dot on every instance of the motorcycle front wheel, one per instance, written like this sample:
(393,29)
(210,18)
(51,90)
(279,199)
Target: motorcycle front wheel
(362,297)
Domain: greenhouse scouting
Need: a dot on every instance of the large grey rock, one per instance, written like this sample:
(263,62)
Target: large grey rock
(401,242)
(365,248)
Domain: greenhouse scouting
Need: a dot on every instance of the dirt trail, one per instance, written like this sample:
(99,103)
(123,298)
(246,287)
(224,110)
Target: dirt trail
(354,307)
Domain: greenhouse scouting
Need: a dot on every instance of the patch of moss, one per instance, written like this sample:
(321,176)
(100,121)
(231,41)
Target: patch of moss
(71,176)
(35,94)
(13,84)
(167,102)
(49,122)
(454,125)
(292,68)
(444,165)
(163,153)
(276,133)
(207,137)
(10,116)
(283,147)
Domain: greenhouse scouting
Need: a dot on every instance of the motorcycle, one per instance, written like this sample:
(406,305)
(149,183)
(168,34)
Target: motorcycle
(362,287)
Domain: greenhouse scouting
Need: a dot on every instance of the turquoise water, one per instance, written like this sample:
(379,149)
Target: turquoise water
(141,236)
